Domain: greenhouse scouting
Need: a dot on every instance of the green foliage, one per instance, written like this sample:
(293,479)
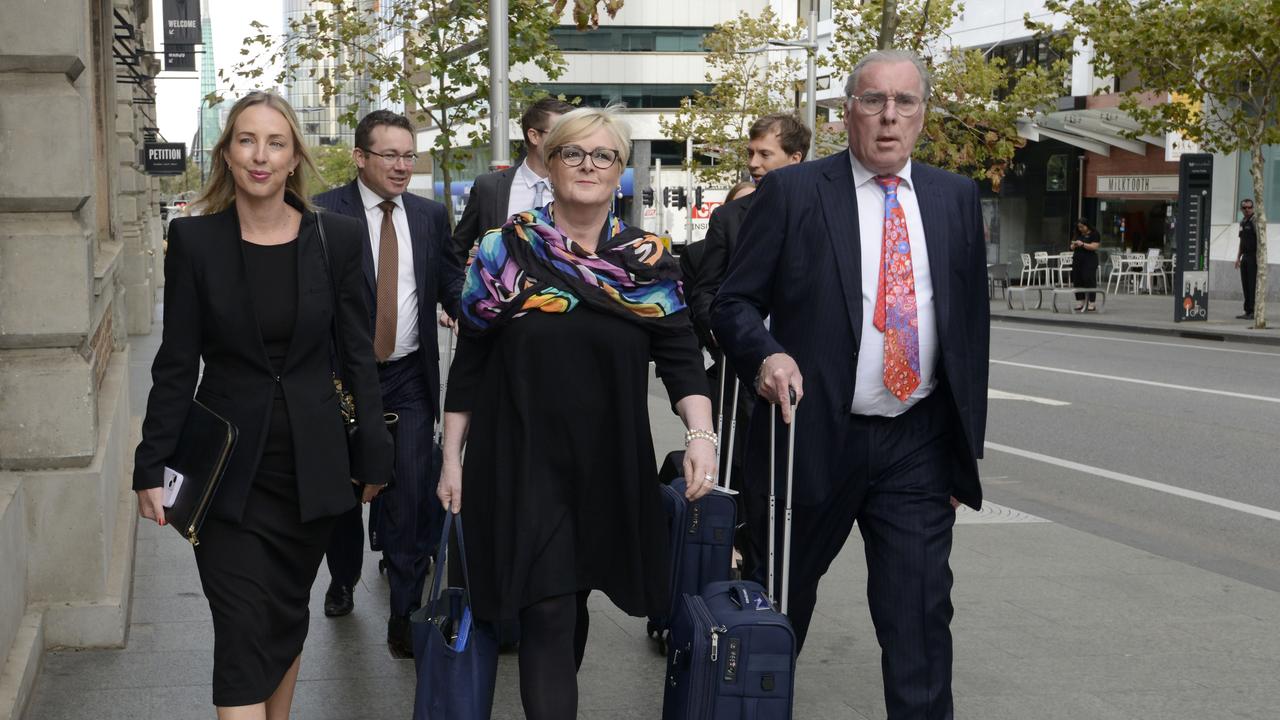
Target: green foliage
(335,166)
(1219,63)
(187,182)
(586,13)
(431,56)
(972,125)
(745,86)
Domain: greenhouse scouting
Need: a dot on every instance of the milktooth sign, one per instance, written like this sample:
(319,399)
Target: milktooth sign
(1137,184)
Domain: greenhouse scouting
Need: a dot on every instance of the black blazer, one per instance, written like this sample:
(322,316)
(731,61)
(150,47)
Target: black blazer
(722,239)
(692,266)
(486,209)
(208,316)
(435,272)
(798,263)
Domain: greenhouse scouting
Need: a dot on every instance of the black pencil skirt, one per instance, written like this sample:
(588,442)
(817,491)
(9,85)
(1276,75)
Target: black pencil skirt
(257,576)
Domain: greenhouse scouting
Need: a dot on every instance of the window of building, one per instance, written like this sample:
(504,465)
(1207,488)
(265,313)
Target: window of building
(1022,53)
(633,95)
(629,39)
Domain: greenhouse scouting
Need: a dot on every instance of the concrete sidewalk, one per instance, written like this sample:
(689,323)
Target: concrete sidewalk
(1151,314)
(1051,623)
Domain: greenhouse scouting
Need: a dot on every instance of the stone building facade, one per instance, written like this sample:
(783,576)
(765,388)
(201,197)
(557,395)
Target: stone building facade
(80,254)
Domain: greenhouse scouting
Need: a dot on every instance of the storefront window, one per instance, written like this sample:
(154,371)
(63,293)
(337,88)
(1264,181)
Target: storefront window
(1270,176)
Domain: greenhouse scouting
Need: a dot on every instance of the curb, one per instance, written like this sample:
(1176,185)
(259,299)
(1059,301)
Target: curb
(1201,334)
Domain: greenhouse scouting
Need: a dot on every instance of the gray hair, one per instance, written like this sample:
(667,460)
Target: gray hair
(890,56)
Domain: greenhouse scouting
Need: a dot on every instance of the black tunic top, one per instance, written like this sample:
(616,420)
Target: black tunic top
(560,489)
(273,289)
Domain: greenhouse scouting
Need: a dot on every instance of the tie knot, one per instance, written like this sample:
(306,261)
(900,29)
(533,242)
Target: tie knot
(387,206)
(888,183)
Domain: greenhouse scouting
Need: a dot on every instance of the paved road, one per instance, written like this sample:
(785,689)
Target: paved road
(1187,415)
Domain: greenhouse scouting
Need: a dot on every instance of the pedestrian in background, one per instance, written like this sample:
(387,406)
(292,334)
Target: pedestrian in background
(691,264)
(562,311)
(408,270)
(1084,263)
(1247,258)
(247,290)
(871,269)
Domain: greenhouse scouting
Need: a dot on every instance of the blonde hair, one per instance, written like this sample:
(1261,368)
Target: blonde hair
(577,124)
(220,189)
(735,192)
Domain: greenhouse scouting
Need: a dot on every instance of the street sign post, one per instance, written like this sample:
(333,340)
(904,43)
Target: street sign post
(164,158)
(1191,264)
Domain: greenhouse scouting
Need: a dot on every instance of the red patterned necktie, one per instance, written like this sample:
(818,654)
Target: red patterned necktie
(895,313)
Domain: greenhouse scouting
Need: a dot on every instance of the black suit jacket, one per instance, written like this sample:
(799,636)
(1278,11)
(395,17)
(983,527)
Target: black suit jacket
(435,272)
(692,265)
(208,316)
(798,263)
(722,238)
(486,209)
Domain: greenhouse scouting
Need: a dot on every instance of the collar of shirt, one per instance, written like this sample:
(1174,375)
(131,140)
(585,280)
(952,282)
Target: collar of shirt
(862,175)
(526,175)
(371,199)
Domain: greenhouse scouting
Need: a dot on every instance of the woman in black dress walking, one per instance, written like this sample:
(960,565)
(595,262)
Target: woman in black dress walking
(247,290)
(1084,263)
(562,311)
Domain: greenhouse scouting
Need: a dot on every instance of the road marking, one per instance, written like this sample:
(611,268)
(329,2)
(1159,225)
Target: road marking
(1139,482)
(993,394)
(1137,381)
(1111,338)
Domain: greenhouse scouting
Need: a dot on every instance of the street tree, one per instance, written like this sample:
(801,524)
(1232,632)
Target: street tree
(586,13)
(745,85)
(187,182)
(972,126)
(1212,68)
(334,166)
(430,56)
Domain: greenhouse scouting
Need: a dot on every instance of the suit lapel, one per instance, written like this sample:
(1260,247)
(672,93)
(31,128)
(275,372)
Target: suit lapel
(840,209)
(355,208)
(502,198)
(309,259)
(418,236)
(937,238)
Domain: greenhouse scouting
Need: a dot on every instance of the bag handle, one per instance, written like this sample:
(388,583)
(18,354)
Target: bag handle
(784,593)
(334,330)
(438,576)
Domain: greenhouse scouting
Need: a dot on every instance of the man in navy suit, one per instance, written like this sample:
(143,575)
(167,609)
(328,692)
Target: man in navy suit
(408,270)
(871,270)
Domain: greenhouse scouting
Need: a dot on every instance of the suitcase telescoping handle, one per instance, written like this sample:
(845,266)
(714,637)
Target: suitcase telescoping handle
(781,596)
(726,472)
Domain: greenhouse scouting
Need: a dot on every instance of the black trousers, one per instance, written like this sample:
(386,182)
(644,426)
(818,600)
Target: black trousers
(410,517)
(898,489)
(1249,281)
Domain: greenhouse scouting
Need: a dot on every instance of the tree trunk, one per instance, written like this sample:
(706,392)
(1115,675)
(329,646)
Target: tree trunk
(1260,222)
(446,175)
(888,24)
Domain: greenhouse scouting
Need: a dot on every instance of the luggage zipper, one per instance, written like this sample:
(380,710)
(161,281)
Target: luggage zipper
(708,677)
(202,506)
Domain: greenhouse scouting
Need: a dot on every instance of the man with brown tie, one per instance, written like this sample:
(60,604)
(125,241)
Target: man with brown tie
(408,270)
(872,271)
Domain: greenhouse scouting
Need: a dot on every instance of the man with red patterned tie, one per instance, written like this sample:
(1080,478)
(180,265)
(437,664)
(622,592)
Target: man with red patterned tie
(871,269)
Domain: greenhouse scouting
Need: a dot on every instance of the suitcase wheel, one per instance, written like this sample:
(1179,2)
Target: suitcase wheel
(662,644)
(382,566)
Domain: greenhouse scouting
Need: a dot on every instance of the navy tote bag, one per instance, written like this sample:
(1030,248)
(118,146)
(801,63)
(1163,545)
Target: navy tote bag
(456,655)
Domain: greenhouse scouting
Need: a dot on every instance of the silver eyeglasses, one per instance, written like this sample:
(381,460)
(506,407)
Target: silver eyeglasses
(875,103)
(601,158)
(392,158)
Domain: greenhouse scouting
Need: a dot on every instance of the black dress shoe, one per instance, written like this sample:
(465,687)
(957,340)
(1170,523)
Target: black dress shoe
(400,637)
(1245,316)
(338,600)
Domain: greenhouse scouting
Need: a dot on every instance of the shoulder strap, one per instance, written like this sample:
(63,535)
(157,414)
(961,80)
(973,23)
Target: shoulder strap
(334,328)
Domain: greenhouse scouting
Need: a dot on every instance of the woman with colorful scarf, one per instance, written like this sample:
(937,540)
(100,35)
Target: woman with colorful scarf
(563,309)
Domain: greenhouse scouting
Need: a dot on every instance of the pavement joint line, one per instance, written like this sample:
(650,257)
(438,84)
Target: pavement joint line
(1139,381)
(1109,338)
(1221,502)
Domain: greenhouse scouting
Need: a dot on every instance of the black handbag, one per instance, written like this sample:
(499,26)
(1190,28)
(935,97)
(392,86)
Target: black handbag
(192,475)
(347,401)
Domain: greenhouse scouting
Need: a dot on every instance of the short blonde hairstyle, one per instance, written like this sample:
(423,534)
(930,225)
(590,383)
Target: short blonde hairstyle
(220,189)
(577,124)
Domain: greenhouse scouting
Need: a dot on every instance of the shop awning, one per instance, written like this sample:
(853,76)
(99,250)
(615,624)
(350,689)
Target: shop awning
(1095,130)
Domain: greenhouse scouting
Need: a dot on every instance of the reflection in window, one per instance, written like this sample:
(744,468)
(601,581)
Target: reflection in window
(629,39)
(633,95)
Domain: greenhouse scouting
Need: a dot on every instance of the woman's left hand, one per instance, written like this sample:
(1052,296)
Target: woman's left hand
(699,468)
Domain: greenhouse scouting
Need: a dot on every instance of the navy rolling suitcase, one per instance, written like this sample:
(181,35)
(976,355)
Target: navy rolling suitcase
(732,652)
(701,540)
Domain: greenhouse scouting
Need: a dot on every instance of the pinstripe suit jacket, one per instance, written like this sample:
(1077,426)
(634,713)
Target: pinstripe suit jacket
(798,263)
(437,276)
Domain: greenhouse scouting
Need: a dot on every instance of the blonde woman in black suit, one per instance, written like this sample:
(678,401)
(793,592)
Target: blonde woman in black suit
(248,292)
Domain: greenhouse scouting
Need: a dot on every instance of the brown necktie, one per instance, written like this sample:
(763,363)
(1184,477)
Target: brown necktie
(384,325)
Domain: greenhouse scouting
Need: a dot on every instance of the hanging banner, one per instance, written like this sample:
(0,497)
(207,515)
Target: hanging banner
(164,158)
(1191,266)
(182,22)
(179,58)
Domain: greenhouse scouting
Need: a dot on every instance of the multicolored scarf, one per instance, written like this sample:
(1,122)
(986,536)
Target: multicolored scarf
(529,265)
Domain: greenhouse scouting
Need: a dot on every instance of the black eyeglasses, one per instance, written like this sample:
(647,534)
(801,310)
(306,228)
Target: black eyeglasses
(601,158)
(392,158)
(1246,207)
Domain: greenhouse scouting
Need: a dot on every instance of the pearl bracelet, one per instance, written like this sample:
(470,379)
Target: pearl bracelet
(702,435)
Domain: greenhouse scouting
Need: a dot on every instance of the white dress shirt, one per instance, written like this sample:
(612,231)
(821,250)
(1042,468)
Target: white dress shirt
(870,396)
(406,283)
(524,190)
